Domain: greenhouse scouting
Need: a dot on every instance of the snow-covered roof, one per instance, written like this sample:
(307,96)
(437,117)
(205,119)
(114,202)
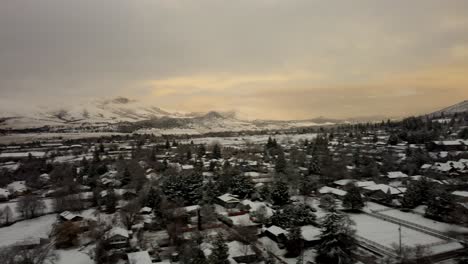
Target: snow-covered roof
(67,215)
(141,257)
(385,188)
(331,190)
(460,193)
(343,182)
(396,174)
(251,174)
(187,167)
(276,230)
(228,198)
(361,184)
(117,231)
(146,209)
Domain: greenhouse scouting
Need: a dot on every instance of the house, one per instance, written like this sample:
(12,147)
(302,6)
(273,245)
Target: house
(227,200)
(141,257)
(276,233)
(381,192)
(69,216)
(117,237)
(241,253)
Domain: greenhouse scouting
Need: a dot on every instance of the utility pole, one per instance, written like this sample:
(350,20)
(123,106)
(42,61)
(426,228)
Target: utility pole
(399,232)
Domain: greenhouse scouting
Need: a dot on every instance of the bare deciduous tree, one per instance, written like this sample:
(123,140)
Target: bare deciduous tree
(30,206)
(130,213)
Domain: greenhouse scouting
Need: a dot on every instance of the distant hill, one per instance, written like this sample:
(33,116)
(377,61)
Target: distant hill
(450,110)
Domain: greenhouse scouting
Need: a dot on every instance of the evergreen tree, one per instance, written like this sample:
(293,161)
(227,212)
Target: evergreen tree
(353,198)
(188,186)
(126,177)
(201,151)
(293,215)
(280,166)
(217,151)
(294,244)
(440,206)
(393,140)
(337,241)
(242,186)
(220,252)
(153,200)
(314,167)
(280,193)
(110,201)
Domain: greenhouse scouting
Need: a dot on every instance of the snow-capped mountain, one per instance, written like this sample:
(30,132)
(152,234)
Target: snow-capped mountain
(128,115)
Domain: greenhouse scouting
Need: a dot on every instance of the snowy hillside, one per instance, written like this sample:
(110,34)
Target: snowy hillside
(124,113)
(456,108)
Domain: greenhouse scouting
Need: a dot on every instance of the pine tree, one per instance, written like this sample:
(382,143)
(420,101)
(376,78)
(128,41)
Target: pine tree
(280,193)
(220,252)
(126,177)
(353,198)
(153,200)
(295,243)
(440,205)
(201,151)
(280,166)
(242,186)
(189,154)
(217,151)
(337,241)
(110,201)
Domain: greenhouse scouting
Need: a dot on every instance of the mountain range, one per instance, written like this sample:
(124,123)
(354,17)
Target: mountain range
(126,114)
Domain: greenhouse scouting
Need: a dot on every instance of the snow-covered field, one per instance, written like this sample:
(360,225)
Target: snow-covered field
(33,228)
(387,234)
(421,220)
(29,137)
(73,257)
(257,139)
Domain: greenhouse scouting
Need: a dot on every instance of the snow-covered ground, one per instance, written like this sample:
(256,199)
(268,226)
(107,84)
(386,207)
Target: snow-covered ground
(33,228)
(387,234)
(421,220)
(73,257)
(257,139)
(29,137)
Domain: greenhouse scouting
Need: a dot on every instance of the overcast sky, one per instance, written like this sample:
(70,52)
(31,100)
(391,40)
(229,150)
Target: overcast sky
(272,59)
